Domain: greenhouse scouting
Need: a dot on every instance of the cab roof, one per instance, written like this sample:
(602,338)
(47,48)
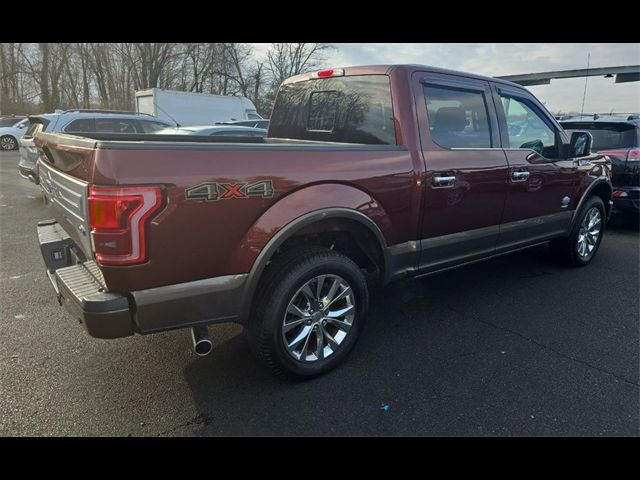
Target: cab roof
(386,69)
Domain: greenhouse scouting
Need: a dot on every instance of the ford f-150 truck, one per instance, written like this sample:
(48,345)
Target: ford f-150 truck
(368,174)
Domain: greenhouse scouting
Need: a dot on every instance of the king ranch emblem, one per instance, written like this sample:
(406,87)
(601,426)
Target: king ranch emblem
(213,191)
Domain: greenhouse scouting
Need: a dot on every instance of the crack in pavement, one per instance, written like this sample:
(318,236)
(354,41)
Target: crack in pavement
(547,347)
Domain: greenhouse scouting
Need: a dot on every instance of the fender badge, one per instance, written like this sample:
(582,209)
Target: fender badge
(213,191)
(565,202)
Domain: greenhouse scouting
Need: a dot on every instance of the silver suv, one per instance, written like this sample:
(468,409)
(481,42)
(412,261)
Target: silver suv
(79,122)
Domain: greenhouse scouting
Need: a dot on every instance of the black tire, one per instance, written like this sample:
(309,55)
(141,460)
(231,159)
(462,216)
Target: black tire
(8,142)
(565,249)
(282,279)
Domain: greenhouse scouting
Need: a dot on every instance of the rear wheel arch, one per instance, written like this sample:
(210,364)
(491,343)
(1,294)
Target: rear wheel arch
(340,228)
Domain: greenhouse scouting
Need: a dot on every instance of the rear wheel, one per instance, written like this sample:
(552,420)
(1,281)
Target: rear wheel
(310,311)
(8,143)
(579,248)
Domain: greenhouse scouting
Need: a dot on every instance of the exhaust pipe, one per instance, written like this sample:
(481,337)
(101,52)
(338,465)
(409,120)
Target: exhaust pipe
(201,340)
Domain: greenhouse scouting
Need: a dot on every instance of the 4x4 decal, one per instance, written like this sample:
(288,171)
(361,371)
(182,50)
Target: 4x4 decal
(213,191)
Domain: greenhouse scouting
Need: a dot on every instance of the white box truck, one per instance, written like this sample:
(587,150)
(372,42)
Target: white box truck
(188,108)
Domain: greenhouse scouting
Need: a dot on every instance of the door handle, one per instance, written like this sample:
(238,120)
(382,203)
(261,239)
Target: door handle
(519,176)
(443,180)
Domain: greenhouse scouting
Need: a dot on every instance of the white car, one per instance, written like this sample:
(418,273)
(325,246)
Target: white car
(9,136)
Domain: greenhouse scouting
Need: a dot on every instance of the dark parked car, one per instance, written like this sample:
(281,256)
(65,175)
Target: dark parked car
(369,174)
(619,139)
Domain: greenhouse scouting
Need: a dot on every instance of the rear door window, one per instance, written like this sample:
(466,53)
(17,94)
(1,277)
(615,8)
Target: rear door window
(458,117)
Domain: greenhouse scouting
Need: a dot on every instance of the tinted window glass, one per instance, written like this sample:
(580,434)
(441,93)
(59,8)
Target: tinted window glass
(457,118)
(354,109)
(112,125)
(527,129)
(608,136)
(151,127)
(82,125)
(322,111)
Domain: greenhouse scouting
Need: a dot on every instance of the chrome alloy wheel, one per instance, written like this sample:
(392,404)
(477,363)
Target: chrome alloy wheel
(318,318)
(589,232)
(8,143)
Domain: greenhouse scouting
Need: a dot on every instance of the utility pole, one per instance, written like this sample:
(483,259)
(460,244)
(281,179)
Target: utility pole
(586,79)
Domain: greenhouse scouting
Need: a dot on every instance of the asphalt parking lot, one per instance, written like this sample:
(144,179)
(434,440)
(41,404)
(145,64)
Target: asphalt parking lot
(512,346)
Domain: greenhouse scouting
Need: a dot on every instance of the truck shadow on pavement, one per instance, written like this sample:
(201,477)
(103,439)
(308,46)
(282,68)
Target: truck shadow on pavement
(448,354)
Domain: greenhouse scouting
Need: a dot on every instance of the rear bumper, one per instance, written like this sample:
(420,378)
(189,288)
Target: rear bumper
(628,205)
(81,289)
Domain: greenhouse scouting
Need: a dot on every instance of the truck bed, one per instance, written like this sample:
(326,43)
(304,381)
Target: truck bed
(128,140)
(184,240)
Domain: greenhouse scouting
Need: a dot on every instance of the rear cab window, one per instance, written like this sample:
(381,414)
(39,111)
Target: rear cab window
(351,109)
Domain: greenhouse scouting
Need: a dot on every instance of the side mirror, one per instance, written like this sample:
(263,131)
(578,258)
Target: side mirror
(580,145)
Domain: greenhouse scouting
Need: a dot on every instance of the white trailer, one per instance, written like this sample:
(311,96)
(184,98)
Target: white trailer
(187,108)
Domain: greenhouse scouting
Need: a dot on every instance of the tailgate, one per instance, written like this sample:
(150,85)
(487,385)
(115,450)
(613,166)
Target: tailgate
(64,179)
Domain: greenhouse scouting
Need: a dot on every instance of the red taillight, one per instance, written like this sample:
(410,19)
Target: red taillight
(333,72)
(118,216)
(634,154)
(620,193)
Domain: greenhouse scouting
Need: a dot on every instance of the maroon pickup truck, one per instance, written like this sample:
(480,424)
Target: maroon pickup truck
(368,174)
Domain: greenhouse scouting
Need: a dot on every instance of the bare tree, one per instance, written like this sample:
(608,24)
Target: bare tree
(46,76)
(288,59)
(147,61)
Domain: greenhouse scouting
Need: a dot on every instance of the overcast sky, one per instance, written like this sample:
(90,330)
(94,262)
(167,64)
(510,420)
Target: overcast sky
(603,95)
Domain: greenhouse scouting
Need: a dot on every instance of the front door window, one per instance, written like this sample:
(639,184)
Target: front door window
(527,129)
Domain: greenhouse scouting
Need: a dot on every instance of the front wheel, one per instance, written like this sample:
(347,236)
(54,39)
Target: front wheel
(579,248)
(8,143)
(309,312)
